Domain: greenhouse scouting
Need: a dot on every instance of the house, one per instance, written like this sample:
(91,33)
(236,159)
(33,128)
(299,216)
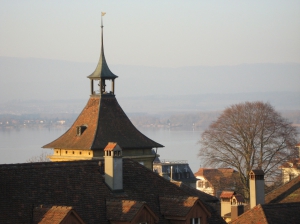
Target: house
(175,171)
(281,205)
(214,181)
(291,169)
(231,205)
(110,190)
(102,120)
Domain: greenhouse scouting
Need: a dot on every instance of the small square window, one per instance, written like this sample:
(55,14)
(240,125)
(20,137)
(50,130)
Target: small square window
(195,221)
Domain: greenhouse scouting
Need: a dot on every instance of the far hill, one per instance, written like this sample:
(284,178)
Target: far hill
(154,89)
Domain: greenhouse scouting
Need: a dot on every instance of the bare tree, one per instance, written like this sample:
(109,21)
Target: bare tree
(248,136)
(43,157)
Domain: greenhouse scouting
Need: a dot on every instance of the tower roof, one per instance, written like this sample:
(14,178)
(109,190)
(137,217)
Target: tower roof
(102,70)
(104,122)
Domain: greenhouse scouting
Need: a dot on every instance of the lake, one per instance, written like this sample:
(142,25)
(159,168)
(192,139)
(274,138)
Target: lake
(17,146)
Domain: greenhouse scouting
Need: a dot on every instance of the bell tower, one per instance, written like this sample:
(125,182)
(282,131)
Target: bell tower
(102,72)
(101,121)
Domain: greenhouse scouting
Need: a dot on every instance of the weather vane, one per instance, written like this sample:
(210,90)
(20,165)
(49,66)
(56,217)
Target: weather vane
(102,14)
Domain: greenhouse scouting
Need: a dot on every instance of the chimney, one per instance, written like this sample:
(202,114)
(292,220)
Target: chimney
(237,206)
(298,146)
(113,166)
(226,202)
(236,211)
(257,187)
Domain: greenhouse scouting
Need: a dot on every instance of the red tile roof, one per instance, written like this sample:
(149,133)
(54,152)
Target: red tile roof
(227,194)
(289,192)
(210,202)
(54,214)
(204,196)
(178,206)
(126,210)
(80,184)
(271,214)
(110,146)
(221,178)
(294,163)
(105,121)
(213,174)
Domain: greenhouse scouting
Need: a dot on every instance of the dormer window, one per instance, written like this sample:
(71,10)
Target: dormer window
(80,129)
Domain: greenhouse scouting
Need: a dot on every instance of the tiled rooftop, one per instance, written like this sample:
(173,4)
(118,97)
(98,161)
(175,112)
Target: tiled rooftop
(53,214)
(294,163)
(105,121)
(125,210)
(227,194)
(221,178)
(289,192)
(81,185)
(271,214)
(172,206)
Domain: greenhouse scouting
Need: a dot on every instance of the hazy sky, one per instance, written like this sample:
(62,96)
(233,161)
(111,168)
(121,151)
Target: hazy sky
(165,33)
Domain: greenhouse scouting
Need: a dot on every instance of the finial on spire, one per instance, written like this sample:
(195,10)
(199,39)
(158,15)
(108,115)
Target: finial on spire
(102,14)
(102,72)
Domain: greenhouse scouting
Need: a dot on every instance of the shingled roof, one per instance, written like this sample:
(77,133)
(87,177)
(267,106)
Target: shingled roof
(79,184)
(294,163)
(193,191)
(127,211)
(104,121)
(216,175)
(220,179)
(289,192)
(55,215)
(271,214)
(211,202)
(178,206)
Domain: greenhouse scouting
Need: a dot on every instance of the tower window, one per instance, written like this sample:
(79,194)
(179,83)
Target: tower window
(80,129)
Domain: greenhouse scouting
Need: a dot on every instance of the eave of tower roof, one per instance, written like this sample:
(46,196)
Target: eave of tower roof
(106,122)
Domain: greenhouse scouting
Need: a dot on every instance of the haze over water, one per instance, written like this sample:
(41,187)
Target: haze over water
(17,146)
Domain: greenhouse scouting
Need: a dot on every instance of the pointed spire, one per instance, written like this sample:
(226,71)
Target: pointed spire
(102,70)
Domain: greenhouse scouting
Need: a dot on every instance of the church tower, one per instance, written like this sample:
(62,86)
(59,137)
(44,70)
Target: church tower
(102,121)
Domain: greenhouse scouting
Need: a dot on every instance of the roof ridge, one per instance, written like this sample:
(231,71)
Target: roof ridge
(47,164)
